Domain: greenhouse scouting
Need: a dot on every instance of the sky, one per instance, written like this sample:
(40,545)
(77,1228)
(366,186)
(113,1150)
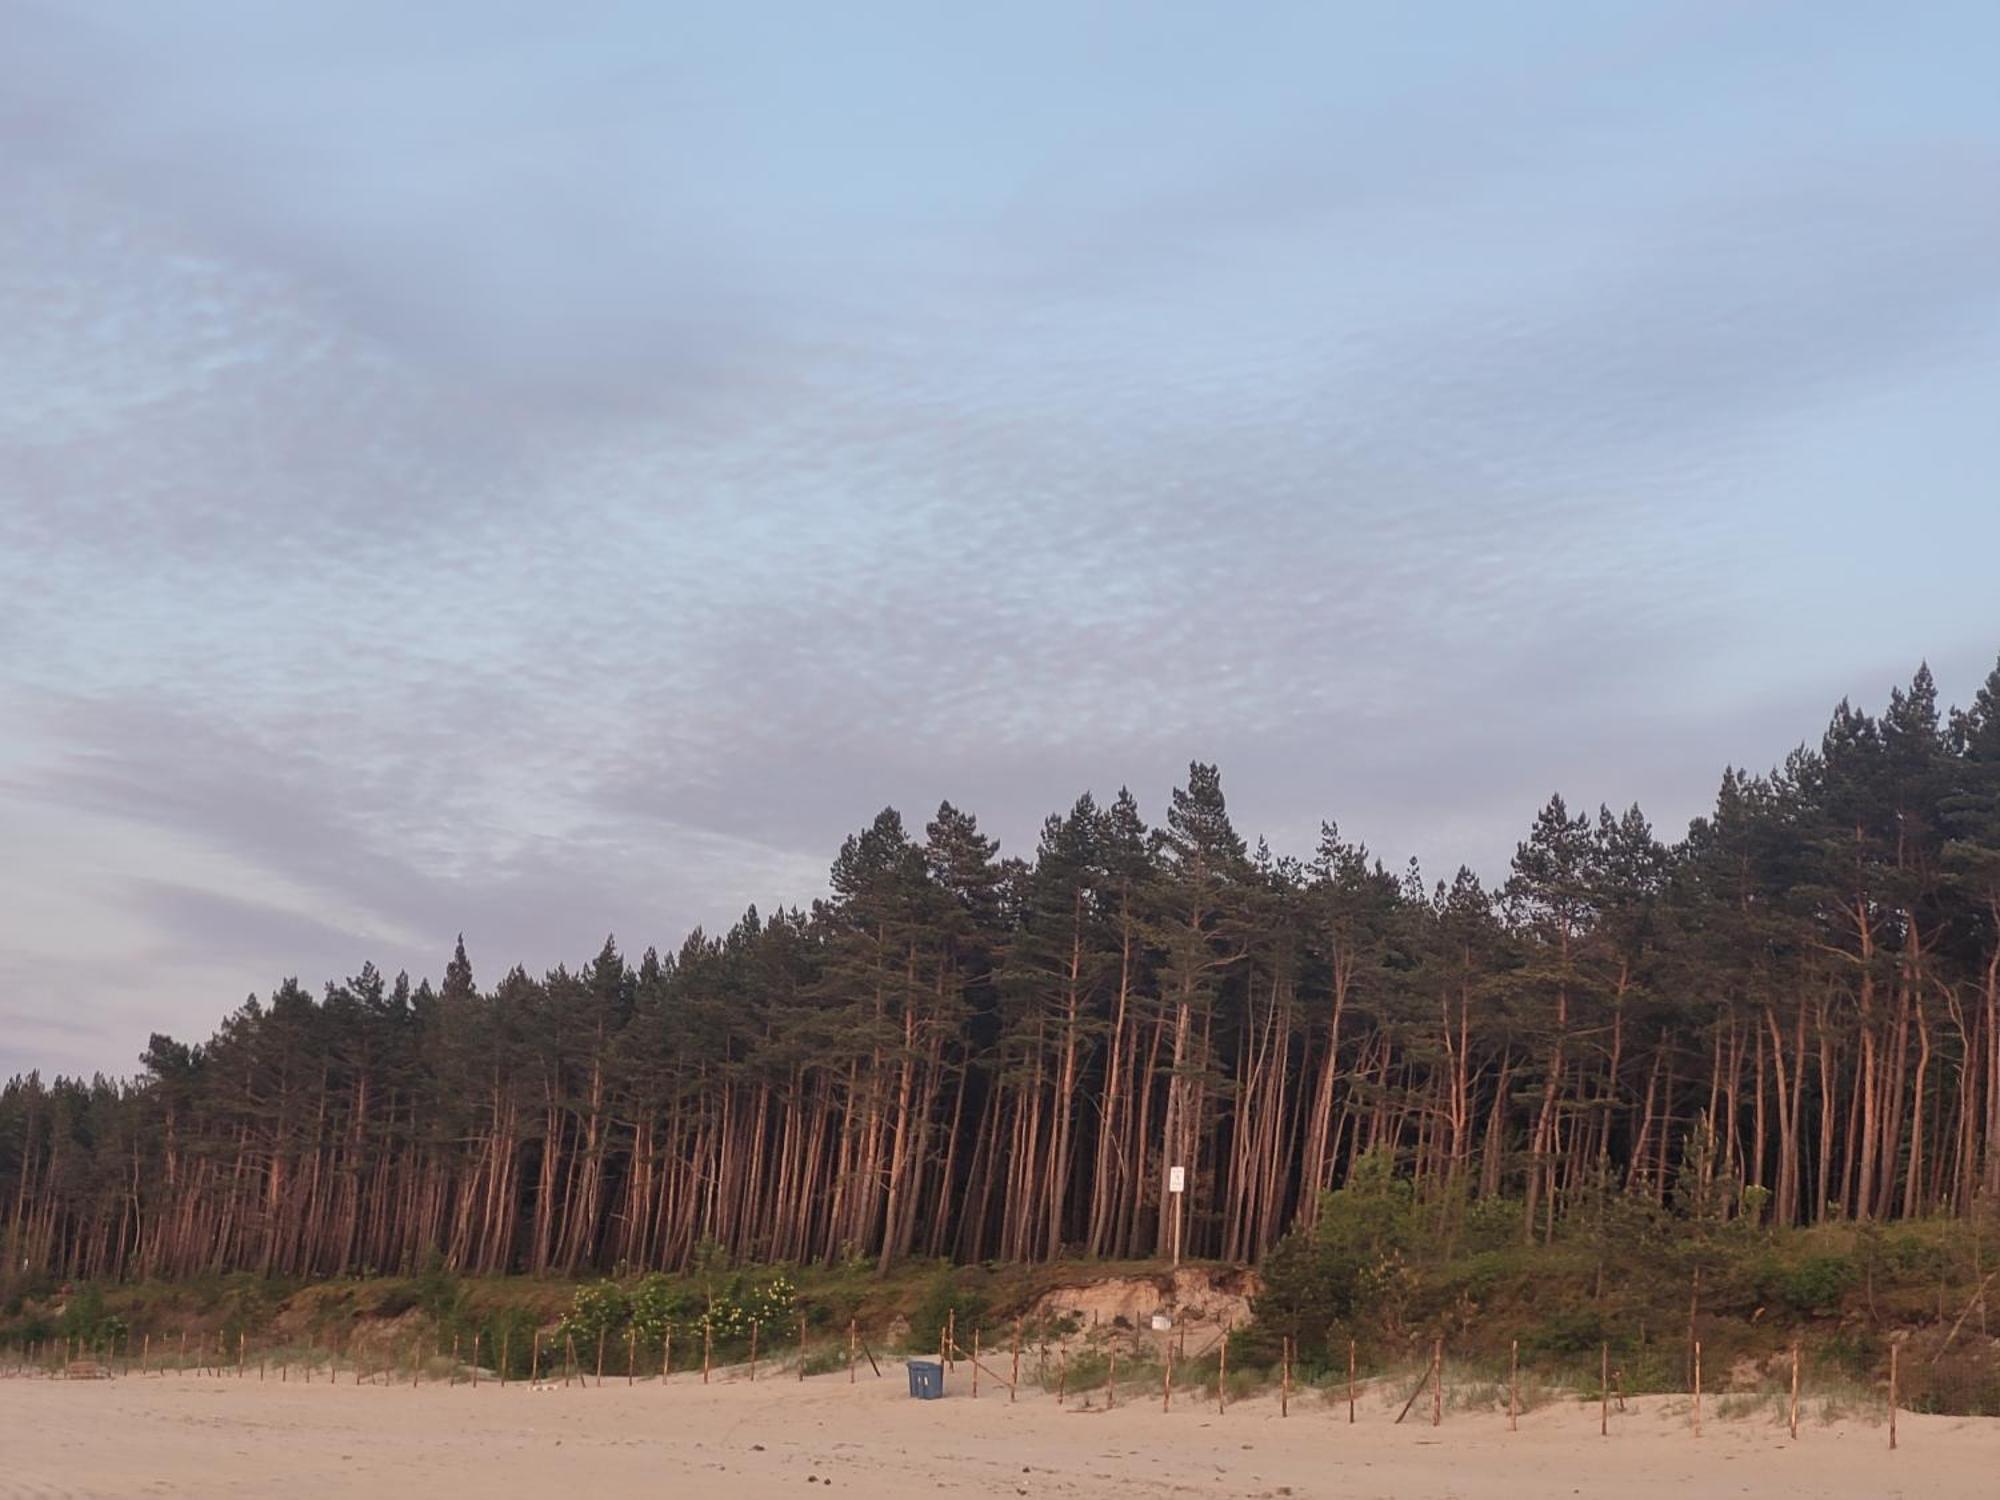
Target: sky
(542,470)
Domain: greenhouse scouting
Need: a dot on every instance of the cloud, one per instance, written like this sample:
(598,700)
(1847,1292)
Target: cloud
(472,471)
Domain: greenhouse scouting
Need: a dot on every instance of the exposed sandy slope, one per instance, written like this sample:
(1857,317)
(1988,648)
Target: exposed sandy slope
(203,1436)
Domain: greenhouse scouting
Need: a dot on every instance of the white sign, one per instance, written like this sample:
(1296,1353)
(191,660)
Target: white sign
(1176,1179)
(1162,1323)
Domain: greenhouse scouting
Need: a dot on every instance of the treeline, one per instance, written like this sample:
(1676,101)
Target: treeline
(963,1055)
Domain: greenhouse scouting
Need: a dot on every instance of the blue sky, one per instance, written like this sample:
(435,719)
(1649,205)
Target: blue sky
(539,470)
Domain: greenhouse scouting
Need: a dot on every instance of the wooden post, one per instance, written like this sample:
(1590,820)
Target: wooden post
(1017,1361)
(181,1365)
(1062,1373)
(975,1362)
(146,1352)
(1795,1391)
(600,1360)
(950,1338)
(1894,1349)
(666,1354)
(802,1348)
(707,1347)
(853,1332)
(1604,1390)
(631,1352)
(1697,1387)
(1513,1385)
(535,1359)
(1111,1380)
(475,1359)
(506,1346)
(239,1354)
(753,1351)
(569,1362)
(1437,1382)
(1222,1377)
(1167,1378)
(1350,1382)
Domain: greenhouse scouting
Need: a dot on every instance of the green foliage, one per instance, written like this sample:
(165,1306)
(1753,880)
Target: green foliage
(436,1290)
(657,1306)
(1492,1223)
(599,1310)
(1812,1287)
(946,1294)
(85,1319)
(661,1306)
(1352,1268)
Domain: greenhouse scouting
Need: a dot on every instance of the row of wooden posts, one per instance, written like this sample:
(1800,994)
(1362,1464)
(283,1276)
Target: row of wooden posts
(211,1358)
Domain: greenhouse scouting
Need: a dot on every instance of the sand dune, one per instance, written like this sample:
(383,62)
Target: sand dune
(190,1435)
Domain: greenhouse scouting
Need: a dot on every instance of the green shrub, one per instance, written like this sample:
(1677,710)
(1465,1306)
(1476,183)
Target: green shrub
(1493,1223)
(945,1296)
(599,1310)
(1352,1266)
(1809,1287)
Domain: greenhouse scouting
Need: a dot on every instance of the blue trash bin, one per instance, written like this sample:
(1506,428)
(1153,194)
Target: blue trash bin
(926,1379)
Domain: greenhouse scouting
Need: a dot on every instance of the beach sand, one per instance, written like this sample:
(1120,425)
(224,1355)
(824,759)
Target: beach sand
(193,1435)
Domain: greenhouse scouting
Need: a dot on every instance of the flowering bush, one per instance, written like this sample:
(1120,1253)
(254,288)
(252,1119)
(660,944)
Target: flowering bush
(661,1305)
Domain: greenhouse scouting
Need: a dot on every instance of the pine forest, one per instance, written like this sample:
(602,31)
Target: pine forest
(963,1055)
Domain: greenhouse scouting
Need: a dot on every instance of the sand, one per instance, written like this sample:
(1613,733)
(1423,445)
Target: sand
(191,1435)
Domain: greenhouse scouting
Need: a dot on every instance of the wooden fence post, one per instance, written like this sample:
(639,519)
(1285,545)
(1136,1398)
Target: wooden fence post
(569,1361)
(802,1346)
(1604,1390)
(1513,1385)
(1285,1377)
(1111,1380)
(1167,1378)
(1350,1382)
(535,1359)
(666,1354)
(1795,1391)
(1894,1349)
(631,1353)
(1697,1387)
(1222,1377)
(600,1359)
(475,1359)
(1062,1374)
(1437,1383)
(975,1362)
(852,1333)
(1016,1385)
(707,1347)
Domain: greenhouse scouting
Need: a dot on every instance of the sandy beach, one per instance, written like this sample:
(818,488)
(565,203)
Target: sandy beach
(192,1435)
